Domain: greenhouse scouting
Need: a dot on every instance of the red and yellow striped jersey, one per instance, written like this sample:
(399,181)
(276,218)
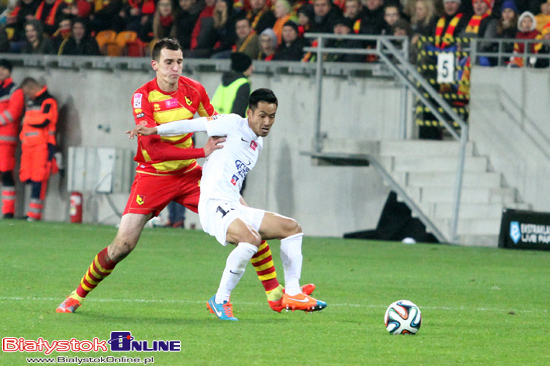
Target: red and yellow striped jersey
(152,107)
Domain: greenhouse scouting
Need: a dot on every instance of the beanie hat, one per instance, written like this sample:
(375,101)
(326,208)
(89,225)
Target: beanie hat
(451,1)
(509,4)
(530,15)
(290,23)
(348,22)
(271,34)
(490,3)
(6,64)
(240,62)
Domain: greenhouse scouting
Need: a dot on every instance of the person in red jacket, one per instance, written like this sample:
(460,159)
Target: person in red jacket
(12,102)
(38,143)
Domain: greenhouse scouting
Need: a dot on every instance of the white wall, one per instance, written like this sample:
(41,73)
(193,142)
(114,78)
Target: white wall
(510,123)
(327,201)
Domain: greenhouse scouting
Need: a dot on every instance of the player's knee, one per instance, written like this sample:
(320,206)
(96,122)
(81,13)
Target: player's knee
(252,237)
(120,249)
(291,227)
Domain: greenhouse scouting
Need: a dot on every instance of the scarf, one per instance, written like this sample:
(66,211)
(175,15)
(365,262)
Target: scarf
(440,38)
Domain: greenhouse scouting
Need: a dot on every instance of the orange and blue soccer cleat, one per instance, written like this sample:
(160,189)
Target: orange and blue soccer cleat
(69,305)
(302,302)
(278,305)
(224,311)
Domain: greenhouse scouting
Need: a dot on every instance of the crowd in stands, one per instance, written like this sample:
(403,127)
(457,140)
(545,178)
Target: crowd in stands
(263,29)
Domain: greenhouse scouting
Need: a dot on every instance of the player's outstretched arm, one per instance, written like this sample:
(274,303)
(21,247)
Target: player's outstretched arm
(213,144)
(141,130)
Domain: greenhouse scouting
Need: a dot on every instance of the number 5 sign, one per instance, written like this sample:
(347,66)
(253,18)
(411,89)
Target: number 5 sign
(445,68)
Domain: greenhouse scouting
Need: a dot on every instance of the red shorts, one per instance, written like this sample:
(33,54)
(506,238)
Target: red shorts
(34,163)
(7,157)
(151,193)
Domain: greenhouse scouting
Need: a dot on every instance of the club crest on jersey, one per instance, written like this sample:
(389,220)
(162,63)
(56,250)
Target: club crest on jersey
(137,100)
(156,107)
(188,101)
(234,180)
(140,200)
(253,145)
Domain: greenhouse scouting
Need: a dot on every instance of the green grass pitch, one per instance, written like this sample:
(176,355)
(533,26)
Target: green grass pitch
(480,306)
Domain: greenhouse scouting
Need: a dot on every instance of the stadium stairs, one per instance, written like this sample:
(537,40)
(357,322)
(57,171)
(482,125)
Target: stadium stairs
(426,170)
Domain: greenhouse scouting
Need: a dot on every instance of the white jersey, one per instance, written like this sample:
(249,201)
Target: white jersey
(225,169)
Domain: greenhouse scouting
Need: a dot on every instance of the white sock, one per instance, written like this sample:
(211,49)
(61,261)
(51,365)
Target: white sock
(234,270)
(291,256)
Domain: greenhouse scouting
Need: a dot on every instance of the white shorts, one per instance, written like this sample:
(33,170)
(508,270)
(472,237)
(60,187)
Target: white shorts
(216,215)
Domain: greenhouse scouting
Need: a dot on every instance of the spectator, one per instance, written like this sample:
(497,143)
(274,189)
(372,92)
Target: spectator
(543,18)
(50,13)
(526,30)
(403,28)
(450,25)
(305,18)
(233,93)
(268,44)
(62,33)
(353,11)
(506,29)
(282,13)
(481,24)
(344,26)
(12,102)
(325,14)
(176,215)
(5,46)
(136,14)
(36,42)
(24,11)
(186,19)
(372,19)
(424,20)
(391,15)
(38,143)
(78,8)
(292,46)
(545,50)
(164,25)
(260,16)
(106,16)
(247,38)
(80,43)
(203,37)
(224,26)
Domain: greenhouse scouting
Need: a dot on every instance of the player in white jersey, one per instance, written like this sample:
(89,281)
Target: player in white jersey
(222,211)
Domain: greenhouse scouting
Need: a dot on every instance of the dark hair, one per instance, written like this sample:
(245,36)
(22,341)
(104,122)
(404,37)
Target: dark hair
(243,17)
(168,43)
(28,81)
(261,95)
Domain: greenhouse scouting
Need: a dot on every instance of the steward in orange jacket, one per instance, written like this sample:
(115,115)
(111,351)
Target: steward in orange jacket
(12,102)
(38,143)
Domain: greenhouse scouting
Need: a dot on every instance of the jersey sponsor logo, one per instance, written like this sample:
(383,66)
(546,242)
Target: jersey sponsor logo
(156,107)
(188,100)
(140,200)
(242,169)
(140,115)
(138,110)
(253,145)
(234,180)
(137,100)
(171,103)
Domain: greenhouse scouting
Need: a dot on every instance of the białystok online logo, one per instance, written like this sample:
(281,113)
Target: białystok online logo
(119,342)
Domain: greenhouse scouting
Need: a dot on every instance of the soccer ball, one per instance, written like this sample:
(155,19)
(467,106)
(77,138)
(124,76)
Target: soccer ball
(403,317)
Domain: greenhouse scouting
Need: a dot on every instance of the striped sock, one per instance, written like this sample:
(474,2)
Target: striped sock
(101,267)
(265,269)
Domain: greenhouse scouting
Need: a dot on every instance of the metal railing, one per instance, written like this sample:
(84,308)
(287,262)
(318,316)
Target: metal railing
(498,48)
(396,59)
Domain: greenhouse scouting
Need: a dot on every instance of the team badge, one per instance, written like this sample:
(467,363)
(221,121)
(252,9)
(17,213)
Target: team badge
(188,101)
(156,107)
(253,145)
(140,200)
(137,100)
